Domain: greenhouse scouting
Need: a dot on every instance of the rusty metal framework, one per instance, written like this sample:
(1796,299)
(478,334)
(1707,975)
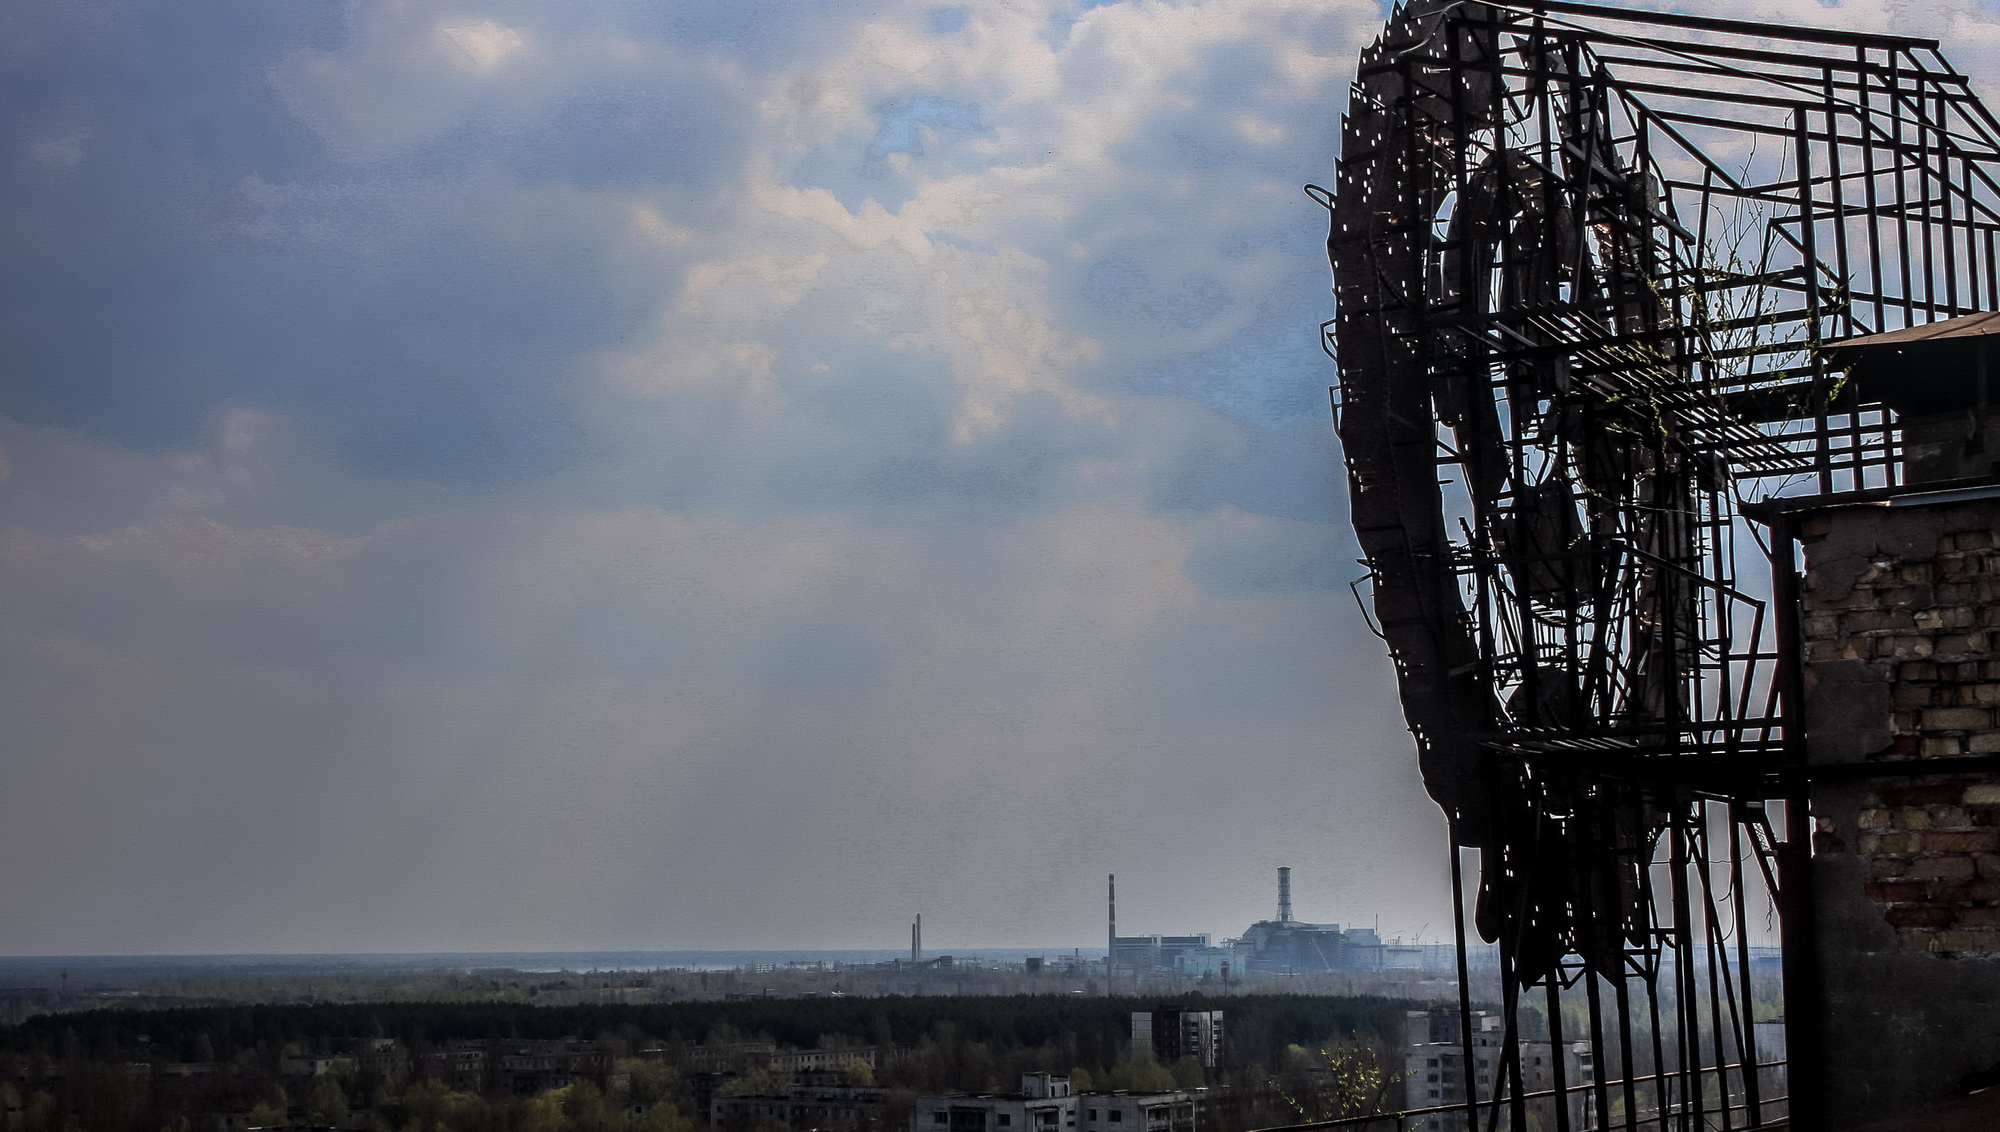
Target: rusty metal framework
(1587,263)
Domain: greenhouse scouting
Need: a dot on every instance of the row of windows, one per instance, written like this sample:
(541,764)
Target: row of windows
(1116,1116)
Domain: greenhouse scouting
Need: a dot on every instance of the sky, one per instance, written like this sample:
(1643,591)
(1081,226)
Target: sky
(509,475)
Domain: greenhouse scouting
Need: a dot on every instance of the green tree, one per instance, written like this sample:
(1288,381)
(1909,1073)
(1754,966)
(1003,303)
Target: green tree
(649,1082)
(756,1083)
(326,1105)
(429,1106)
(859,1072)
(544,1113)
(1079,1080)
(1188,1073)
(1358,1084)
(272,1111)
(587,1109)
(1330,1083)
(1139,1075)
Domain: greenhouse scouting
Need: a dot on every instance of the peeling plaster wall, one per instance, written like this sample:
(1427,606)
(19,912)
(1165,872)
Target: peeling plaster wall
(1901,626)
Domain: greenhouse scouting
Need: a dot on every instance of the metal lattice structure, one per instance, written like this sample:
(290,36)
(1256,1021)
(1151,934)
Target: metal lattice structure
(1586,265)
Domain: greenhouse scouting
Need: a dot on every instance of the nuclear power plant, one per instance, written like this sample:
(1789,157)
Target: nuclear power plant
(1284,945)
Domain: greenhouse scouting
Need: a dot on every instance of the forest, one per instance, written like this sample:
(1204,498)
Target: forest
(1286,1056)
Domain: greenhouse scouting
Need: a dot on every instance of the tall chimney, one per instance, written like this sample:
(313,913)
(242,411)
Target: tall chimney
(917,939)
(1111,937)
(1284,895)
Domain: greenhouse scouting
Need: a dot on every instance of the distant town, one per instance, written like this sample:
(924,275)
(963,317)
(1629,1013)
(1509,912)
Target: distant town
(1290,1020)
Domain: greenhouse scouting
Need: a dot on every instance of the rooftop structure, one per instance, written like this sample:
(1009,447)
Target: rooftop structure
(1045,1104)
(800,1106)
(1611,285)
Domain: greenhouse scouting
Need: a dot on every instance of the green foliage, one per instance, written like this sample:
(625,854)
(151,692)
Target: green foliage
(763,1082)
(326,1105)
(1330,1083)
(1139,1075)
(946,1043)
(859,1072)
(1260,1026)
(586,1110)
(543,1113)
(649,1082)
(429,1106)
(1188,1073)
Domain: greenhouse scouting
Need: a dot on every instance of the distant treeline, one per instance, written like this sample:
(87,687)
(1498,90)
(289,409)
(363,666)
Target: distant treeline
(1259,1027)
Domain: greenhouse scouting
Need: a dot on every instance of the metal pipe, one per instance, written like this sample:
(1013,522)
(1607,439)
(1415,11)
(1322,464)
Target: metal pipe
(1795,896)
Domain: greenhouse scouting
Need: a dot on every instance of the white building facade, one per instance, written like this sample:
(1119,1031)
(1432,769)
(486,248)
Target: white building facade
(1045,1104)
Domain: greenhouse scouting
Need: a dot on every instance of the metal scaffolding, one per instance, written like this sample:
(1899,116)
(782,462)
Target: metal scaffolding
(1587,266)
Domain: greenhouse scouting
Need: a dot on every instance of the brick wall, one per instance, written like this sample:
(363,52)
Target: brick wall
(1901,623)
(1902,611)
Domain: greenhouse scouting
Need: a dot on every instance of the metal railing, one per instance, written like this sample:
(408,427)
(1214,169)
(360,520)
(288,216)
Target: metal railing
(1400,1119)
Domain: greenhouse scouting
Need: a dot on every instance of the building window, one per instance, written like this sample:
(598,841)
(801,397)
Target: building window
(1117,1115)
(939,1118)
(1006,1118)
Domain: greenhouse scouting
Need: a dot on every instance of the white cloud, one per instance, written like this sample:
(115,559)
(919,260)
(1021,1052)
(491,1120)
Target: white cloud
(484,45)
(954,517)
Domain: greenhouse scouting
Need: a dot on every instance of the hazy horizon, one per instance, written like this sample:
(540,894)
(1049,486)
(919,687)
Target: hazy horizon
(511,477)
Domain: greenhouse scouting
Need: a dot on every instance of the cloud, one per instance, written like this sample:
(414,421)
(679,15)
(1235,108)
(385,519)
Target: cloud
(569,443)
(484,43)
(547,470)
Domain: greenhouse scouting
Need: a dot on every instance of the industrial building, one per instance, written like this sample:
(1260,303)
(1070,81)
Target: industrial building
(1291,946)
(1281,946)
(1156,952)
(1142,953)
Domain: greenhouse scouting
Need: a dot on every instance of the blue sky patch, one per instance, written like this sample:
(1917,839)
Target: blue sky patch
(903,123)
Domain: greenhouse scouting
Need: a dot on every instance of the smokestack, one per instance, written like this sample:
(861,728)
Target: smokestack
(1284,895)
(1111,937)
(917,939)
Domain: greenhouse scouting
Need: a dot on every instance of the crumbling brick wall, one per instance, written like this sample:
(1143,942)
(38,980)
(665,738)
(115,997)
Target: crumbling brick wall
(1901,628)
(1902,611)
(1934,858)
